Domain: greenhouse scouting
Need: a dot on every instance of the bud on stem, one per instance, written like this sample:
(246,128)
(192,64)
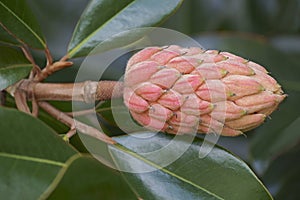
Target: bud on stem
(207,91)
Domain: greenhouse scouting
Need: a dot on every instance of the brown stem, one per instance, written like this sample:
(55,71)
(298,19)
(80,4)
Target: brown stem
(87,91)
(50,69)
(35,107)
(28,55)
(72,123)
(64,58)
(10,33)
(20,97)
(48,56)
(36,70)
(24,47)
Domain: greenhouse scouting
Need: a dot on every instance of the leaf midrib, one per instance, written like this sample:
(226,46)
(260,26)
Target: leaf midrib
(75,49)
(24,23)
(123,148)
(32,159)
(59,176)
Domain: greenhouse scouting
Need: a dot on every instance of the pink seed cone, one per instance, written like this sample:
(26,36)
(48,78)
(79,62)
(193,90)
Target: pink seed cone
(186,90)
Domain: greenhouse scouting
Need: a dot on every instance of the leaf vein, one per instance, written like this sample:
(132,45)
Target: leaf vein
(24,23)
(166,171)
(59,176)
(32,159)
(75,49)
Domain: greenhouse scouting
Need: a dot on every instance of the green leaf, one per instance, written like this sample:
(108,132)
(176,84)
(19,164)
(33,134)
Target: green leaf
(285,185)
(17,17)
(36,163)
(104,110)
(281,132)
(56,125)
(6,38)
(288,136)
(51,121)
(13,66)
(31,155)
(23,177)
(86,178)
(104,18)
(219,175)
(24,135)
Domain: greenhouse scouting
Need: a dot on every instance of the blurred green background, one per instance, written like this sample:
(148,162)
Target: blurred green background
(265,31)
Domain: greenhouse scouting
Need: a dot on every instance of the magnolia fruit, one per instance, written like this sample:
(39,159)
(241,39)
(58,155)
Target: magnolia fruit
(186,90)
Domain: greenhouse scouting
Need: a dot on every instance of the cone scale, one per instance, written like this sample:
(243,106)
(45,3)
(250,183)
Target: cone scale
(185,90)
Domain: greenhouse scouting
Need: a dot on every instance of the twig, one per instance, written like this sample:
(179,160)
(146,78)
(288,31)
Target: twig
(70,134)
(48,56)
(13,35)
(21,102)
(87,91)
(35,107)
(24,47)
(50,69)
(72,123)
(37,73)
(28,55)
(64,58)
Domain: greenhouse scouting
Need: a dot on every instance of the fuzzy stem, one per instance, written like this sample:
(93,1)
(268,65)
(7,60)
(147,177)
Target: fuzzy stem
(109,89)
(87,91)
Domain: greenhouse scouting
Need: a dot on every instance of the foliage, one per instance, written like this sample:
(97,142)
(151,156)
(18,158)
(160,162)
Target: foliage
(37,163)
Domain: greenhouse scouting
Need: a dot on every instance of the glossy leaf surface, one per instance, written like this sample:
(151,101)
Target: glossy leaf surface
(220,175)
(18,19)
(6,38)
(36,163)
(13,66)
(31,155)
(285,184)
(104,18)
(86,178)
